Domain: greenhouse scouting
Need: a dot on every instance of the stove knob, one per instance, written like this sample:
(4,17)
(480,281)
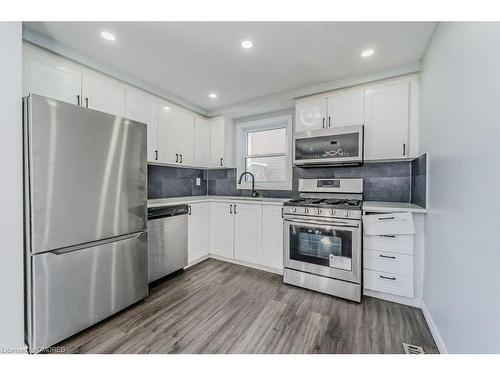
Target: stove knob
(347,213)
(306,210)
(293,209)
(319,211)
(333,212)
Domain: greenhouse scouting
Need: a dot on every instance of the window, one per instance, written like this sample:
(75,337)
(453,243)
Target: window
(264,149)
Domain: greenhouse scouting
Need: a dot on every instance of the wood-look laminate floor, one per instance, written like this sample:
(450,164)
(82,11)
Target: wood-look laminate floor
(219,307)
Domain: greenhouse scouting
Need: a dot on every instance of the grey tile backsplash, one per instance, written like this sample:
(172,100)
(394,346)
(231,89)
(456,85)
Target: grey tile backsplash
(419,181)
(400,181)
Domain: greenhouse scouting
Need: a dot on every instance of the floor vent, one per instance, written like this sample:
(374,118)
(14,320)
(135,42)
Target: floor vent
(413,349)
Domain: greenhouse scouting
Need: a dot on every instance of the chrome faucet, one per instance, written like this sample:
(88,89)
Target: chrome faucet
(254,192)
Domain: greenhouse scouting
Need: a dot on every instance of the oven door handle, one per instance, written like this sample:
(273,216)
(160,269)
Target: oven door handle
(331,223)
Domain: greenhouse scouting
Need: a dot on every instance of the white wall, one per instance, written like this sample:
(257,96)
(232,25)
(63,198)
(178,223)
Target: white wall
(11,198)
(460,128)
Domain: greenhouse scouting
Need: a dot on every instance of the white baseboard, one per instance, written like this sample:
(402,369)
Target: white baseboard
(251,265)
(434,330)
(196,261)
(415,302)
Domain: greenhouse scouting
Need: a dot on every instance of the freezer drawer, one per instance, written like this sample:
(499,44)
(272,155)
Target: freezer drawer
(73,290)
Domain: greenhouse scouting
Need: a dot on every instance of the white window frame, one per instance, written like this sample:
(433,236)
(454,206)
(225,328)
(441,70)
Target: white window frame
(242,130)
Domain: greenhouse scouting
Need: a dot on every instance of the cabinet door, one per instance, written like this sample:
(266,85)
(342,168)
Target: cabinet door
(168,134)
(217,142)
(201,141)
(310,115)
(386,121)
(186,138)
(50,76)
(198,230)
(272,237)
(143,108)
(221,230)
(248,233)
(103,94)
(346,108)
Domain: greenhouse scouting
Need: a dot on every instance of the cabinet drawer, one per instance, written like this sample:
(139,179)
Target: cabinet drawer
(388,262)
(386,282)
(397,223)
(394,243)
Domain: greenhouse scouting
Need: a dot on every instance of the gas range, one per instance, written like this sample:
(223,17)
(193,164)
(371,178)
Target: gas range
(322,242)
(341,198)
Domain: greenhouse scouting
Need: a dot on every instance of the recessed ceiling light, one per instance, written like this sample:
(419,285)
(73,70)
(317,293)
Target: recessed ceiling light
(108,36)
(166,109)
(213,95)
(367,53)
(247,44)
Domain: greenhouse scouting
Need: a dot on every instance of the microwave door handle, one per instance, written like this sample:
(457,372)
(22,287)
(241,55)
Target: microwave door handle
(331,223)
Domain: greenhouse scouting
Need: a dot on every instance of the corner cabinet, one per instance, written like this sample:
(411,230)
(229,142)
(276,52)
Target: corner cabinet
(198,231)
(143,108)
(221,142)
(221,229)
(387,121)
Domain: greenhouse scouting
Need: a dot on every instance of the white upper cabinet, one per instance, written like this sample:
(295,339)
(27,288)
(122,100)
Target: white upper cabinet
(186,138)
(311,115)
(168,133)
(221,142)
(201,141)
(143,108)
(248,233)
(51,76)
(387,121)
(103,94)
(346,108)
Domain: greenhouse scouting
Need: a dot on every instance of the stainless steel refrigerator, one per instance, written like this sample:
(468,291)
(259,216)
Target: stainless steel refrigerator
(85,217)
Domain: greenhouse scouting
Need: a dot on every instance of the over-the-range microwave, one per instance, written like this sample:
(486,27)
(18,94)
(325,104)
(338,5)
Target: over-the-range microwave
(327,147)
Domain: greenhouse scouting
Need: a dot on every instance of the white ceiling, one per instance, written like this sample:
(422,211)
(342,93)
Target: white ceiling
(192,59)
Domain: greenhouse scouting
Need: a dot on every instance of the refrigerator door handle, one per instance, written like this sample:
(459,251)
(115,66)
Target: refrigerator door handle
(70,249)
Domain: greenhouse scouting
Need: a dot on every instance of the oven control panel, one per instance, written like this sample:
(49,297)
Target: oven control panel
(322,212)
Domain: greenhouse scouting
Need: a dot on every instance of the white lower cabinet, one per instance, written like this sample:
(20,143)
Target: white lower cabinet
(388,254)
(272,237)
(248,233)
(198,230)
(221,229)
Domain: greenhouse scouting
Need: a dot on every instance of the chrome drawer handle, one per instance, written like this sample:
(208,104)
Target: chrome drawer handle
(387,278)
(386,218)
(387,235)
(386,256)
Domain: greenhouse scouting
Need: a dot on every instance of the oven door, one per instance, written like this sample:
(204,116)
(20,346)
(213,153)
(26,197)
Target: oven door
(326,247)
(342,145)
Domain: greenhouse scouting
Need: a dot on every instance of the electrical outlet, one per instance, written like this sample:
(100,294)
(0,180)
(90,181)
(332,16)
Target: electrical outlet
(198,181)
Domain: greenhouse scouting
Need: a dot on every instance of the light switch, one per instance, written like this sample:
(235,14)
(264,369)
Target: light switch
(198,181)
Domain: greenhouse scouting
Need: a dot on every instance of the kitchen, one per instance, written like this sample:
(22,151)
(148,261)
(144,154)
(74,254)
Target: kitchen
(292,214)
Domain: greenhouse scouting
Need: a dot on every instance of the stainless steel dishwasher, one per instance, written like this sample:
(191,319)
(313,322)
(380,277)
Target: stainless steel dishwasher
(167,248)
